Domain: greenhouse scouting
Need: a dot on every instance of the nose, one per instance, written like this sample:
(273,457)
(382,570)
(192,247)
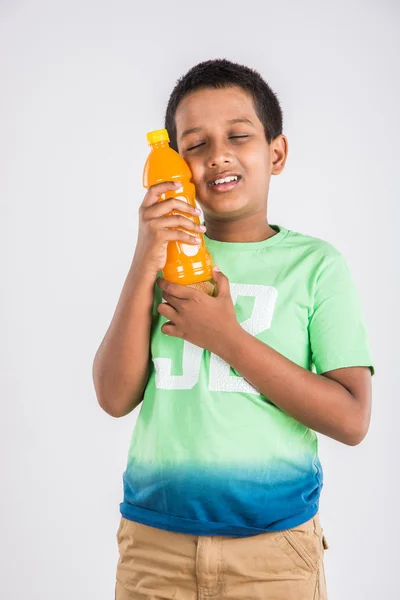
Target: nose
(219,155)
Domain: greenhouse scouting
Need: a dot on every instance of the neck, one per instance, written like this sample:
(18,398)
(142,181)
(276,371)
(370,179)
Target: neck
(250,229)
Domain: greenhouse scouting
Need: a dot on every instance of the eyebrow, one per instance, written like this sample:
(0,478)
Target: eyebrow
(230,122)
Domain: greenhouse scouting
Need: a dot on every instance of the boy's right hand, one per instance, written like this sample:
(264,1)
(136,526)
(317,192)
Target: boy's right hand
(156,225)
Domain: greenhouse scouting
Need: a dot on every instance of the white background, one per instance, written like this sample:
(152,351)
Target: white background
(81,84)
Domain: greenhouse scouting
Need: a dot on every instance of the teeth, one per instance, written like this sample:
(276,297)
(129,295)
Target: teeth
(225,180)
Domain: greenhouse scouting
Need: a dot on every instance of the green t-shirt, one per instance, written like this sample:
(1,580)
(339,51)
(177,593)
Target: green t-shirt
(209,454)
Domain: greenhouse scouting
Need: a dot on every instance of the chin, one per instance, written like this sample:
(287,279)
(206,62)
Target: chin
(224,208)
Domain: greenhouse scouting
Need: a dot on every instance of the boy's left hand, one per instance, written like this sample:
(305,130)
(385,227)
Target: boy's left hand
(197,317)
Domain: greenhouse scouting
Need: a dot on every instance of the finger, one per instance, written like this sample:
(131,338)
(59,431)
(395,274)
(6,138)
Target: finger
(176,235)
(222,282)
(177,221)
(173,301)
(175,289)
(171,205)
(167,311)
(170,329)
(155,192)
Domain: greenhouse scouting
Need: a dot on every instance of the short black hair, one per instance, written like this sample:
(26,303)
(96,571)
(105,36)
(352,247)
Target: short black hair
(222,73)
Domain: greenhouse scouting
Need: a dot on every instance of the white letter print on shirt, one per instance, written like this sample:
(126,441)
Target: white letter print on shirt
(221,379)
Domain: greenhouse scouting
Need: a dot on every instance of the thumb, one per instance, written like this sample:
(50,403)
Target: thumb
(222,282)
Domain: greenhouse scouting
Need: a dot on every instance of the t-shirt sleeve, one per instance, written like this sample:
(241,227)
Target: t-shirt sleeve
(337,330)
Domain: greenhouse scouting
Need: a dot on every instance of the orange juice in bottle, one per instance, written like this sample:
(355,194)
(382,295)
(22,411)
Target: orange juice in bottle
(186,264)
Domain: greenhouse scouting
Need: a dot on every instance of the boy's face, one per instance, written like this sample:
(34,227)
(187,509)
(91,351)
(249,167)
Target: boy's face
(229,139)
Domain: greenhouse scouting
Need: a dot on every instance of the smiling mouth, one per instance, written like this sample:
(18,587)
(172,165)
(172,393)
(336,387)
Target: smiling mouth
(225,184)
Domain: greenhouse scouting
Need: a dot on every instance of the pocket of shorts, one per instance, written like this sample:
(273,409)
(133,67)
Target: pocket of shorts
(325,544)
(295,551)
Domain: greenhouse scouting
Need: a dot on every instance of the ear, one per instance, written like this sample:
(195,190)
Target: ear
(279,153)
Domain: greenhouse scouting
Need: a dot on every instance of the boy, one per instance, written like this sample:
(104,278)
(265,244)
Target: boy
(222,485)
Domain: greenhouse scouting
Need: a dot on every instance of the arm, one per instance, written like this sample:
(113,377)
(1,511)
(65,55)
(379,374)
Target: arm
(121,364)
(337,403)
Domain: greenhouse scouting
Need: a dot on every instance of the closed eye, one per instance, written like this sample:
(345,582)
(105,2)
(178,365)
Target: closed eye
(232,137)
(193,147)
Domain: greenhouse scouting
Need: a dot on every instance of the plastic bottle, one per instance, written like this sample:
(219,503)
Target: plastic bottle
(186,264)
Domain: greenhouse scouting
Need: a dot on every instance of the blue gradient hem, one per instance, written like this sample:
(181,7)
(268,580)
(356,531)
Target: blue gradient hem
(192,527)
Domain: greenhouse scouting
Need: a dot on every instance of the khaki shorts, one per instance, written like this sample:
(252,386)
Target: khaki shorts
(281,565)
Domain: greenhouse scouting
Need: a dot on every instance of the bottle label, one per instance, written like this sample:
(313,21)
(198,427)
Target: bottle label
(189,249)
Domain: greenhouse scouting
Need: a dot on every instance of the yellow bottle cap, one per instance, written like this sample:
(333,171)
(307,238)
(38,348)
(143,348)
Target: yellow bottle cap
(159,135)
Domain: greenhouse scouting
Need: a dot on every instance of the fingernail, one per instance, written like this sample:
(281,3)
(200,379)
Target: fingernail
(203,228)
(198,240)
(217,269)
(197,211)
(178,184)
